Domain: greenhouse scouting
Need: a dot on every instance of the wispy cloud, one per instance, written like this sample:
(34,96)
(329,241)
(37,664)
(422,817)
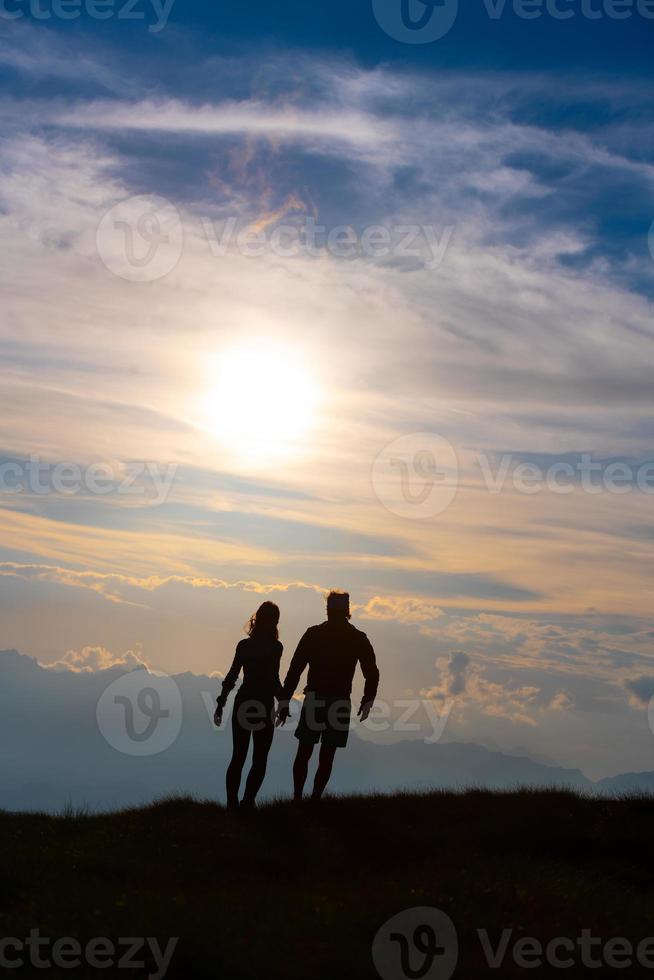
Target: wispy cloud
(241,118)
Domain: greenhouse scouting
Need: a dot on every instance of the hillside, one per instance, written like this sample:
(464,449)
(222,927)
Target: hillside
(297,892)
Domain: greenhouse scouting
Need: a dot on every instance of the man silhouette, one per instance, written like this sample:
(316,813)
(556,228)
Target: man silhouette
(331,651)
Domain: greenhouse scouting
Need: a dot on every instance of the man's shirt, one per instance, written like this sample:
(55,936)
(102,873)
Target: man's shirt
(332,651)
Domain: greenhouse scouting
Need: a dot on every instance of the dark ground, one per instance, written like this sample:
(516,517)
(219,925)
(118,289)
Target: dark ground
(300,892)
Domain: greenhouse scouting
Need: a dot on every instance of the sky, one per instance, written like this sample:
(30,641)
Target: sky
(298,297)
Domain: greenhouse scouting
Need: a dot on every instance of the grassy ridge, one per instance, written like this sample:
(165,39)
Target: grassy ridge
(300,892)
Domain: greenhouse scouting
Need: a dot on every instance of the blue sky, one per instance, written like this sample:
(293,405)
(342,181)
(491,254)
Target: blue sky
(484,35)
(251,412)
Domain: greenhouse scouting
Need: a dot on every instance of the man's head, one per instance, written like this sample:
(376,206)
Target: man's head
(338,606)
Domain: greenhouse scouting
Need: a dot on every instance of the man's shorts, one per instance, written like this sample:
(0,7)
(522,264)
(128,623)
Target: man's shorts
(325,719)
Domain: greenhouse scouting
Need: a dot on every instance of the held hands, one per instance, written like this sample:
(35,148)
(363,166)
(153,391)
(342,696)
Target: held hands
(218,717)
(364,710)
(283,714)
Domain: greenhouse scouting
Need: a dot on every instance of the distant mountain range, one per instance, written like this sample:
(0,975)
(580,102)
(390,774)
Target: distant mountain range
(112,738)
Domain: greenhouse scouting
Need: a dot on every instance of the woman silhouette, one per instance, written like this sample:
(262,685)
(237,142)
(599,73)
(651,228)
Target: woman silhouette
(259,657)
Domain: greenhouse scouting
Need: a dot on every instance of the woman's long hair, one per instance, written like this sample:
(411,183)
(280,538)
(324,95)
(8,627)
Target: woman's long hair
(263,623)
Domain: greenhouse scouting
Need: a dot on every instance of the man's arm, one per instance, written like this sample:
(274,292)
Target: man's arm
(299,663)
(368,664)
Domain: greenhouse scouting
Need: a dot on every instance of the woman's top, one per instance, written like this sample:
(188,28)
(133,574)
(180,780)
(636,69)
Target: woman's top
(259,659)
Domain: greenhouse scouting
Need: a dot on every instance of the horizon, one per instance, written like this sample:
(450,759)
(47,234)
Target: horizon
(191,718)
(101,761)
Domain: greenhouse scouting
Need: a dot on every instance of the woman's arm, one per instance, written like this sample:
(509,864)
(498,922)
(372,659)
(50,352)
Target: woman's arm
(279,690)
(229,681)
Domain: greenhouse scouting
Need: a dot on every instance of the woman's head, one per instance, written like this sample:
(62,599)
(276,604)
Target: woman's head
(263,624)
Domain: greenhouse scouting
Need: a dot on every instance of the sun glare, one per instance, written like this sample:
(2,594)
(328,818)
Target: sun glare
(260,402)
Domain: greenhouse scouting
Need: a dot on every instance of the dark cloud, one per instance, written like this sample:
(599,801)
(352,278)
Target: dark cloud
(642,688)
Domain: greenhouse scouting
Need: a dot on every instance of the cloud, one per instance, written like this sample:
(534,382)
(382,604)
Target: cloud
(115,587)
(641,690)
(89,660)
(250,118)
(401,609)
(39,53)
(467,684)
(562,701)
(459,663)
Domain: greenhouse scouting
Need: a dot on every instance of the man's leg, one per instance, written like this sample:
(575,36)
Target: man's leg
(324,771)
(301,767)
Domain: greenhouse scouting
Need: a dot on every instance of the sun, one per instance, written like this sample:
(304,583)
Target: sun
(260,401)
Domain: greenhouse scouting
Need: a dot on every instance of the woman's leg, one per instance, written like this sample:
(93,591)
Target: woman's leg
(262,740)
(241,737)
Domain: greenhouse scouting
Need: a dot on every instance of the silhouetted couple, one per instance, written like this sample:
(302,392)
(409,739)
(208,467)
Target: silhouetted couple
(331,651)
